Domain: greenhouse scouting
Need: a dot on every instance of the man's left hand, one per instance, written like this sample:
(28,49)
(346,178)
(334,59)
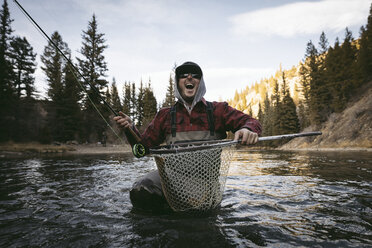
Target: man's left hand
(247,137)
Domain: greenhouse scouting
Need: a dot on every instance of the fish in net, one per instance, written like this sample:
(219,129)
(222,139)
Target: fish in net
(193,176)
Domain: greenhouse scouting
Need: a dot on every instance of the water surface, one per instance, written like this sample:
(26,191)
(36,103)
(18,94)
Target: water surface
(272,198)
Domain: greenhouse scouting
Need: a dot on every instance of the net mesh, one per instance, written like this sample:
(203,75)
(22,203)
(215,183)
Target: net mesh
(194,180)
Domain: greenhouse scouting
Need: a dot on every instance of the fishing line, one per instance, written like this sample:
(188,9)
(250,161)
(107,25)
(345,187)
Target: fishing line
(73,70)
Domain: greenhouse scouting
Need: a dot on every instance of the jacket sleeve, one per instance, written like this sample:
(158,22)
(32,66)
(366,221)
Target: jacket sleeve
(235,119)
(154,135)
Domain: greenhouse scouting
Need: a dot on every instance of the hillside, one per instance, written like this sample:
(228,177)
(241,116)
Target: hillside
(249,98)
(352,128)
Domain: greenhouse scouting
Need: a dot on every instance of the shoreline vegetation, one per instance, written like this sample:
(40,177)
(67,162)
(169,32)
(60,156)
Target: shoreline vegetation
(33,148)
(24,149)
(318,94)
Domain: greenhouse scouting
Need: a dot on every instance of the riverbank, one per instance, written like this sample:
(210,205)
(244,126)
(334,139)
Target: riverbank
(329,149)
(23,149)
(91,149)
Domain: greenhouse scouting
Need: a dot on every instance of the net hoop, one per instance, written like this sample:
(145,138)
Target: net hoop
(191,146)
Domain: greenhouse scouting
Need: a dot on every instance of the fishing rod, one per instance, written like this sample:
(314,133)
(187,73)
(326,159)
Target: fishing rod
(201,145)
(138,149)
(288,136)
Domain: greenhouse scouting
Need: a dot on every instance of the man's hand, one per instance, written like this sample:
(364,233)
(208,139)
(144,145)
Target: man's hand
(247,137)
(123,121)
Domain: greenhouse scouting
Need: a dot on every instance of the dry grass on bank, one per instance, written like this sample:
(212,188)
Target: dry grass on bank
(350,129)
(81,149)
(34,147)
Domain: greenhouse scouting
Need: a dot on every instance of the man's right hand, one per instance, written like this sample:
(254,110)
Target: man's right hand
(123,121)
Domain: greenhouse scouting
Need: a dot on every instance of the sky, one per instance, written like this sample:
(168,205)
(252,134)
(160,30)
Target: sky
(235,42)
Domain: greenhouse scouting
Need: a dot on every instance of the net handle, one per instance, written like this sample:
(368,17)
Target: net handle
(201,145)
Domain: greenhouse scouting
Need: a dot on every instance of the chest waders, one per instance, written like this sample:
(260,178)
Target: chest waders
(146,193)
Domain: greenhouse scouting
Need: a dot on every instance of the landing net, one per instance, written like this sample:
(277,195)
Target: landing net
(193,175)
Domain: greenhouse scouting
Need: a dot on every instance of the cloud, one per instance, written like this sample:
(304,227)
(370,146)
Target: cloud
(301,18)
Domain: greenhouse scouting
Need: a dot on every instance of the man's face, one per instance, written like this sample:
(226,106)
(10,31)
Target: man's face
(188,85)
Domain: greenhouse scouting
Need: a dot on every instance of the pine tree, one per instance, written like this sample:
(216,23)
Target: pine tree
(323,43)
(127,98)
(334,75)
(323,97)
(365,52)
(276,105)
(108,96)
(288,120)
(280,110)
(93,67)
(6,72)
(260,114)
(170,99)
(7,98)
(340,66)
(305,82)
(368,35)
(71,109)
(53,67)
(363,65)
(149,103)
(268,119)
(133,103)
(115,99)
(363,71)
(312,84)
(140,105)
(23,59)
(348,59)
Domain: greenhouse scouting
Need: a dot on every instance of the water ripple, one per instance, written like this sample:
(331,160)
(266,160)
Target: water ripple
(275,199)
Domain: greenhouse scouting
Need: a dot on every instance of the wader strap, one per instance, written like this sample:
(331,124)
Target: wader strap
(210,118)
(173,120)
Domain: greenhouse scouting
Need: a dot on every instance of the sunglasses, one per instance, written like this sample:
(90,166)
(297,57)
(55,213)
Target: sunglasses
(193,75)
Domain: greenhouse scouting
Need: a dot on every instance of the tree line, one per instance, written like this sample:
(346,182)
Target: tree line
(325,81)
(74,100)
(327,78)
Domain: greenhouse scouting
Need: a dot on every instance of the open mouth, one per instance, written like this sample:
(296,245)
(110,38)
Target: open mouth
(189,86)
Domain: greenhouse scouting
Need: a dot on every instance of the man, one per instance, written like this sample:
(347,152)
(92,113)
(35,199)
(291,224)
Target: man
(191,118)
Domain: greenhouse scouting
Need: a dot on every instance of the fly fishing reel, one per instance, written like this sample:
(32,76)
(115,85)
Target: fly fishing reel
(139,150)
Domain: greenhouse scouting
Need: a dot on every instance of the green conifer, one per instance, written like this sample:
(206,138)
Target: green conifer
(115,99)
(140,105)
(170,99)
(7,97)
(23,60)
(93,67)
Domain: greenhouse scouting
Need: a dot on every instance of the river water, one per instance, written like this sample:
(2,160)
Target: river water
(272,198)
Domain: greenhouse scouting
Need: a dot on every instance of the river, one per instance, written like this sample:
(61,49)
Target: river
(272,199)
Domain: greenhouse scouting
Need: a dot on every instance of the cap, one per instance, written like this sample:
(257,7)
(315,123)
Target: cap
(188,67)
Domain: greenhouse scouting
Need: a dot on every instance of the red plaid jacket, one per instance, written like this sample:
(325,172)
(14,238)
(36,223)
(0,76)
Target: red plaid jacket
(226,119)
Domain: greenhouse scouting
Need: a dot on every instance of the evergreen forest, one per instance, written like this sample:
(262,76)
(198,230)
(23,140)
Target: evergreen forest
(74,110)
(307,94)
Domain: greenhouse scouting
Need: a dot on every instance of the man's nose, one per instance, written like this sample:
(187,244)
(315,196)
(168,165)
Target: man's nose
(189,76)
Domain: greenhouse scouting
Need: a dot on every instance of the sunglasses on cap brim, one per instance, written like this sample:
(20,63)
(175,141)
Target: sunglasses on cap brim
(193,75)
